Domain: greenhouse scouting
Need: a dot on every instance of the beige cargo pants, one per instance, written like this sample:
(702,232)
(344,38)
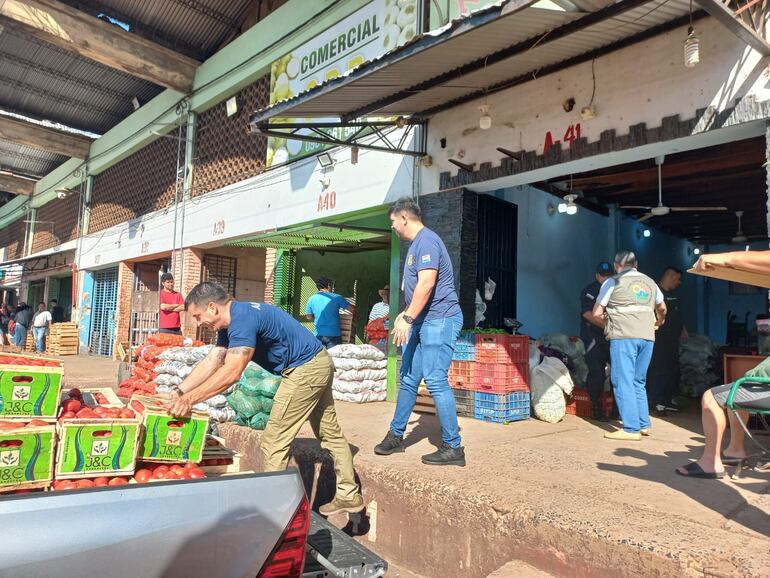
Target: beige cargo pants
(306,394)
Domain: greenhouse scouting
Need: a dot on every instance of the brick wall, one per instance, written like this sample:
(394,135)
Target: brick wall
(12,238)
(453,216)
(270,261)
(123,310)
(58,223)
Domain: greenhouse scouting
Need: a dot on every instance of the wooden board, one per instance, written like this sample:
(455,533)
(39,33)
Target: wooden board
(735,275)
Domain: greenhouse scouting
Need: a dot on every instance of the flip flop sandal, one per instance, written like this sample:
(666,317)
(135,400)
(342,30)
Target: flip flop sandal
(695,471)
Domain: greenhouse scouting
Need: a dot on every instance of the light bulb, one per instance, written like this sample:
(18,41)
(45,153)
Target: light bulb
(485,121)
(571,208)
(562,208)
(691,49)
(646,234)
(696,251)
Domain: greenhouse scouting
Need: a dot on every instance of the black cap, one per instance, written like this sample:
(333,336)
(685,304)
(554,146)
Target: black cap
(604,269)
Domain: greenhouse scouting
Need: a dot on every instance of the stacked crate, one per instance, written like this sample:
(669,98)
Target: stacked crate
(497,376)
(63,339)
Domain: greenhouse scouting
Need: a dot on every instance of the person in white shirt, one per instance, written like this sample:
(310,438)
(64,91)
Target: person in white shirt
(381,309)
(40,325)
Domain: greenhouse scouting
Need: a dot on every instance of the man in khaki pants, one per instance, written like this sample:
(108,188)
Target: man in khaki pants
(277,342)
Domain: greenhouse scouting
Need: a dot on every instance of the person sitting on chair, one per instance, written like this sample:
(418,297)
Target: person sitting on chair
(711,463)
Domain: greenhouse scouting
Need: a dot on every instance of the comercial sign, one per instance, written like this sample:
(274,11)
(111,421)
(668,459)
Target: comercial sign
(368,33)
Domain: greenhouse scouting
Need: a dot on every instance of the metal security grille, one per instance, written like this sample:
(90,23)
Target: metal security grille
(57,223)
(497,234)
(222,270)
(286,281)
(226,151)
(103,311)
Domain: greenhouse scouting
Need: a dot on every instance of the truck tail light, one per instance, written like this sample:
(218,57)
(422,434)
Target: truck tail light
(287,560)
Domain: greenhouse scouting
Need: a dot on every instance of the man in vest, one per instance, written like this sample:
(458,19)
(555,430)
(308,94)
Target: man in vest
(632,307)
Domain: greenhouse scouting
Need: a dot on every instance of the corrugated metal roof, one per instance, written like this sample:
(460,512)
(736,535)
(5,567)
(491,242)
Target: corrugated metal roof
(195,28)
(320,236)
(23,160)
(44,81)
(472,55)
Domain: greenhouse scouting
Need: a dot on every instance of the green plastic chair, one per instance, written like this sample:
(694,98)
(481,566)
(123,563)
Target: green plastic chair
(761,407)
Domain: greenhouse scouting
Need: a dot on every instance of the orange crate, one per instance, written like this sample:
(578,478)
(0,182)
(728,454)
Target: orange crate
(500,348)
(579,403)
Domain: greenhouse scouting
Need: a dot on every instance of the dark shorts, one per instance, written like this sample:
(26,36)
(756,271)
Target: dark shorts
(329,342)
(172,331)
(753,395)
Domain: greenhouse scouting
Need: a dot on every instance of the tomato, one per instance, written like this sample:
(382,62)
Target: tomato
(5,424)
(161,468)
(127,413)
(64,485)
(211,442)
(118,482)
(100,411)
(75,393)
(143,476)
(172,475)
(177,470)
(190,465)
(72,405)
(196,473)
(161,475)
(86,413)
(113,412)
(37,422)
(101,482)
(84,484)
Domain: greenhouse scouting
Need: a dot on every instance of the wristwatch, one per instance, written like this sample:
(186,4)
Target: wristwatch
(408,319)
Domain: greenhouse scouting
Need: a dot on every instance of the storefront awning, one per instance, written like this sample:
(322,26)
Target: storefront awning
(493,49)
(332,237)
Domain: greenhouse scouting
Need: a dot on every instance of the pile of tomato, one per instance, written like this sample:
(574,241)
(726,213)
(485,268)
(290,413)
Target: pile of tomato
(187,471)
(75,408)
(30,361)
(8,424)
(88,483)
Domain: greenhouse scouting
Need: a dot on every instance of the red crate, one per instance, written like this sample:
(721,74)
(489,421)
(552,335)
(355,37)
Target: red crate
(489,377)
(461,368)
(500,348)
(579,403)
(518,372)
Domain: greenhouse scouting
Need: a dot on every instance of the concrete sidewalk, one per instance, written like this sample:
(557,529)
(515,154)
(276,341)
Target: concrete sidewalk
(557,496)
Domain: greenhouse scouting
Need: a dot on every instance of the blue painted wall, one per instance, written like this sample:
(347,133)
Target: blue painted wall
(86,300)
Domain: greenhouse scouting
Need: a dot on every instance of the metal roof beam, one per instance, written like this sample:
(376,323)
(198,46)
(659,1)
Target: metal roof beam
(44,138)
(729,20)
(63,26)
(16,185)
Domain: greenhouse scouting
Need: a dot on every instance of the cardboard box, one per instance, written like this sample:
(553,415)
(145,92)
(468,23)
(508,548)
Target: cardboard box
(215,450)
(168,439)
(735,275)
(90,448)
(30,391)
(26,457)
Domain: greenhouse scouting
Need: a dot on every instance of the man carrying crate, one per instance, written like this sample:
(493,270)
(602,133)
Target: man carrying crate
(429,327)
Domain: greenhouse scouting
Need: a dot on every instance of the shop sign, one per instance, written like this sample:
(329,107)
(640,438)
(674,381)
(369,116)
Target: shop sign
(368,33)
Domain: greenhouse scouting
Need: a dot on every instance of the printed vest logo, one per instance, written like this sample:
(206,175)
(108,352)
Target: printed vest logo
(100,448)
(20,393)
(410,259)
(641,291)
(173,438)
(10,458)
(425,259)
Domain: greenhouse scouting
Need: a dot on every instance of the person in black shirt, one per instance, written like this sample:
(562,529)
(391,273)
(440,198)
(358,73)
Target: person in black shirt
(57,312)
(592,334)
(663,374)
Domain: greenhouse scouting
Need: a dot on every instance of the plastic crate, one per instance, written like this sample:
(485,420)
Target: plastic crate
(579,403)
(488,377)
(466,339)
(464,355)
(465,401)
(501,348)
(502,408)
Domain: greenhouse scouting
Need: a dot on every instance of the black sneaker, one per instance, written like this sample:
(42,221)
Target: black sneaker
(392,443)
(445,456)
(597,414)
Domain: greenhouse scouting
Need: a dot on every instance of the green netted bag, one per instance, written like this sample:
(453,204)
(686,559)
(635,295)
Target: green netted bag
(258,381)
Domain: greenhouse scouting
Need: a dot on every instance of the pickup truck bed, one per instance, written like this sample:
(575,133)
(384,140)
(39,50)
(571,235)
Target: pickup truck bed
(331,552)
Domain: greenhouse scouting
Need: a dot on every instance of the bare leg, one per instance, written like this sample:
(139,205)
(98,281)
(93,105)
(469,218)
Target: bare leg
(714,424)
(736,448)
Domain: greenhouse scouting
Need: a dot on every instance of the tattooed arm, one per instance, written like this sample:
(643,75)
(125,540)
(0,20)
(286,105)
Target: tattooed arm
(224,376)
(205,369)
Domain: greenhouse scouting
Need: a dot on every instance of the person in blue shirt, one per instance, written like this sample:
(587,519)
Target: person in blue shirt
(428,327)
(278,343)
(323,309)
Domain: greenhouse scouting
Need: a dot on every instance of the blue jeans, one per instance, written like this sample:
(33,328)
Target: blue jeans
(39,333)
(20,335)
(630,359)
(427,356)
(329,342)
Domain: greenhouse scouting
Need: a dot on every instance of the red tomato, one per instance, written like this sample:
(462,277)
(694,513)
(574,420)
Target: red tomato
(100,410)
(177,471)
(161,468)
(143,476)
(196,473)
(72,405)
(190,465)
(86,413)
(127,413)
(37,422)
(5,424)
(118,482)
(101,482)
(172,475)
(64,485)
(160,475)
(84,484)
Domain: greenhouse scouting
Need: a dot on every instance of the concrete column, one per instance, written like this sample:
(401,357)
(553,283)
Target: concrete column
(32,218)
(271,257)
(123,309)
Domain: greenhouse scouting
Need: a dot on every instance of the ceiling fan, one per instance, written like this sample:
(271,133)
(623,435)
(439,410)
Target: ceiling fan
(662,210)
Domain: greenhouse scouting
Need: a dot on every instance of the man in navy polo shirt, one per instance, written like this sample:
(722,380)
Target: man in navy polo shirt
(429,327)
(278,343)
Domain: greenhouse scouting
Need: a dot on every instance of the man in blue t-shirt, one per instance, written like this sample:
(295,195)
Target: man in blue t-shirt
(323,308)
(429,327)
(277,342)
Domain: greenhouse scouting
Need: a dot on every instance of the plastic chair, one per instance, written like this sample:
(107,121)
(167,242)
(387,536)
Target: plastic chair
(760,407)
